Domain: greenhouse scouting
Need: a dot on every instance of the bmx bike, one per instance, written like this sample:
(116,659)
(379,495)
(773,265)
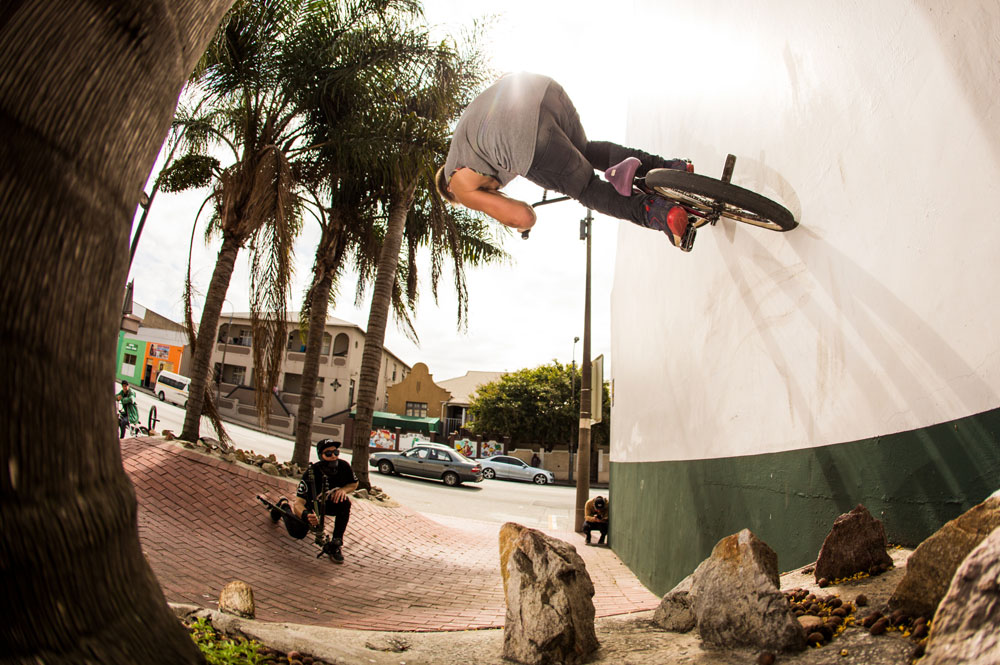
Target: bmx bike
(133,429)
(707,199)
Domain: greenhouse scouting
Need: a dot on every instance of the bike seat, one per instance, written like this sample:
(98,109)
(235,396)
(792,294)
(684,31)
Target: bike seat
(622,174)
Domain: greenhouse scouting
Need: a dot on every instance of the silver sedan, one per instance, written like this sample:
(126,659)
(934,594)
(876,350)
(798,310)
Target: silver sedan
(430,461)
(511,468)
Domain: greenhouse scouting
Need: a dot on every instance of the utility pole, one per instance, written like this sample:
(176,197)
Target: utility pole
(572,390)
(583,447)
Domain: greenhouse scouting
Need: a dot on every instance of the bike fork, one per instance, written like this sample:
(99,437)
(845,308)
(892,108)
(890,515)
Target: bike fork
(687,242)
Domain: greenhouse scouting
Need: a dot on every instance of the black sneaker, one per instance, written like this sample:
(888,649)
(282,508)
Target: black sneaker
(277,514)
(332,549)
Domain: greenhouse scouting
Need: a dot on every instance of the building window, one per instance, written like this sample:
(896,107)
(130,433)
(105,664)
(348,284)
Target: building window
(296,342)
(292,384)
(418,409)
(244,338)
(232,374)
(340,344)
(130,359)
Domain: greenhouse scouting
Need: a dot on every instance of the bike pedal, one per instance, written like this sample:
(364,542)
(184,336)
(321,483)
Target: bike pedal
(687,242)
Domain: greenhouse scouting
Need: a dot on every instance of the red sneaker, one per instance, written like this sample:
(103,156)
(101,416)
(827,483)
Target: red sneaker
(668,217)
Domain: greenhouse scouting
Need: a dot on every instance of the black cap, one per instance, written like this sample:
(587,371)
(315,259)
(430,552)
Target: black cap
(323,444)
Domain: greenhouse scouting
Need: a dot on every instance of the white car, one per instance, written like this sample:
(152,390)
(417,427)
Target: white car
(511,468)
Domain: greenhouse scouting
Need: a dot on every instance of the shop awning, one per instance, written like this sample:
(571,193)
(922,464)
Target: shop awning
(382,419)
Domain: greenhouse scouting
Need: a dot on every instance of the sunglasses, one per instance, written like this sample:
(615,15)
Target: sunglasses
(331,452)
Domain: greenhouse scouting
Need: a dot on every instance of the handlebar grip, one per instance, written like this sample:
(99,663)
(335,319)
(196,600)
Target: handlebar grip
(524,234)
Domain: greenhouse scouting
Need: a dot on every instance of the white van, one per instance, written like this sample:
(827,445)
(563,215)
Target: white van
(172,387)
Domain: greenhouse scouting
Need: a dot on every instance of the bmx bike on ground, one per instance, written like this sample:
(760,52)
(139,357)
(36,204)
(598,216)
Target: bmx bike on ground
(708,199)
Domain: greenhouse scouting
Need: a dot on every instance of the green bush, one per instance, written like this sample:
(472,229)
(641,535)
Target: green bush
(220,650)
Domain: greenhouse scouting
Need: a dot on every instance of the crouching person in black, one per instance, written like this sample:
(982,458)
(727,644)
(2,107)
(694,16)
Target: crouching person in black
(332,478)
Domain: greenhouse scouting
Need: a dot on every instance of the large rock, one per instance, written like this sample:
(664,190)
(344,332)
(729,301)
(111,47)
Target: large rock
(675,612)
(550,607)
(932,565)
(737,600)
(237,598)
(855,544)
(967,626)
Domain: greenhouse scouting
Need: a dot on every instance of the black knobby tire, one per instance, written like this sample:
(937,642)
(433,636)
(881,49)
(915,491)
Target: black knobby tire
(152,420)
(702,192)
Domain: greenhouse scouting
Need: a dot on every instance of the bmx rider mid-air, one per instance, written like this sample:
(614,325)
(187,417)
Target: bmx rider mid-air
(525,124)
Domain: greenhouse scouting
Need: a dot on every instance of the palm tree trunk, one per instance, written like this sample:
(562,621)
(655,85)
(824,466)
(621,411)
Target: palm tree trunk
(89,93)
(205,341)
(371,358)
(319,303)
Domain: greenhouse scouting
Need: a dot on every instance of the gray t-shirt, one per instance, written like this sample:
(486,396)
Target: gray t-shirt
(496,134)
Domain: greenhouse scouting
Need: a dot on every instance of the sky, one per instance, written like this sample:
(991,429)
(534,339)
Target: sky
(522,314)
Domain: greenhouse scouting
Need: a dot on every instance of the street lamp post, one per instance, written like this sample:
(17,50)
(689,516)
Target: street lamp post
(583,447)
(225,347)
(572,392)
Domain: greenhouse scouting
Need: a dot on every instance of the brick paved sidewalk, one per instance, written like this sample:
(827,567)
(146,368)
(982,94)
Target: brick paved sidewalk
(201,527)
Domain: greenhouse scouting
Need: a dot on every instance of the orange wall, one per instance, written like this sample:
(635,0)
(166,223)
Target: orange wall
(171,363)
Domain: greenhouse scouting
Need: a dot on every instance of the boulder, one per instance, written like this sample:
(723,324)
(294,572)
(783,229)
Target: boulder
(932,565)
(237,598)
(855,544)
(268,468)
(549,594)
(967,626)
(737,601)
(675,612)
(168,434)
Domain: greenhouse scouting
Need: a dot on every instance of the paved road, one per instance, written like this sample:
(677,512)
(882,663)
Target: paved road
(498,501)
(172,417)
(540,507)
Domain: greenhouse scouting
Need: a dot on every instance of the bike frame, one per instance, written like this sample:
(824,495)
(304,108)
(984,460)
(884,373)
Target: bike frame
(702,218)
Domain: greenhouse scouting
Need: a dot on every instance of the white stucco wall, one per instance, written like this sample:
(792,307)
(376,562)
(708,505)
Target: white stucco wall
(878,125)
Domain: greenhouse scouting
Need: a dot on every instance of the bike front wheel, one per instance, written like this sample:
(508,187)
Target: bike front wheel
(705,194)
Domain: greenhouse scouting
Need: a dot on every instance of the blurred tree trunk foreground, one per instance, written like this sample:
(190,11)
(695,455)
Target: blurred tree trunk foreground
(86,98)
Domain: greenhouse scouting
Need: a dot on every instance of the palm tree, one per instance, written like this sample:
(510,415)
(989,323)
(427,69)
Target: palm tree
(88,96)
(252,112)
(424,99)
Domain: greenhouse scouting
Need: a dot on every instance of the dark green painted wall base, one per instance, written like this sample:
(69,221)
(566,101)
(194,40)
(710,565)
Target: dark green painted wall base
(667,516)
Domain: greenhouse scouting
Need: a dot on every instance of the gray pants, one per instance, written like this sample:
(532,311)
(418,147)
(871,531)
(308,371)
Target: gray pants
(565,161)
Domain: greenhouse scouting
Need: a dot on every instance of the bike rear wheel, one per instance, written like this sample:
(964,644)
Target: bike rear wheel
(704,194)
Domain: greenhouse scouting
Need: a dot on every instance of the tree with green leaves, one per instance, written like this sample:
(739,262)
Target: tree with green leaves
(539,405)
(249,112)
(336,69)
(412,126)
(87,99)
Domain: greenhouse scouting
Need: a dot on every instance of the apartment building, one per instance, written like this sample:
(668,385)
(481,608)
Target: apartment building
(336,385)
